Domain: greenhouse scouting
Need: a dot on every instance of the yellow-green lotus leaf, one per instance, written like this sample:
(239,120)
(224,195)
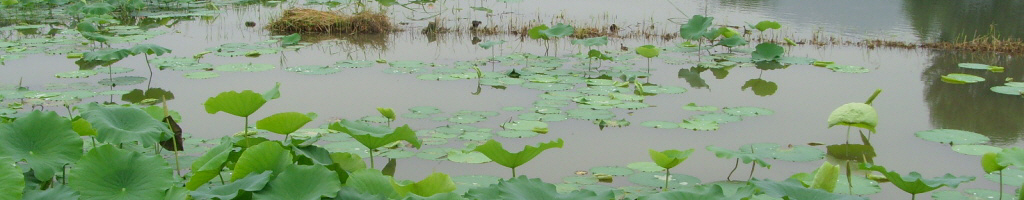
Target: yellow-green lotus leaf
(854,114)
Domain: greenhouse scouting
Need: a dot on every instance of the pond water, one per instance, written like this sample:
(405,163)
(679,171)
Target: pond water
(801,95)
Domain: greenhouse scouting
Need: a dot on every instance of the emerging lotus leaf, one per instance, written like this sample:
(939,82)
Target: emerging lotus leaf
(854,114)
(670,158)
(648,51)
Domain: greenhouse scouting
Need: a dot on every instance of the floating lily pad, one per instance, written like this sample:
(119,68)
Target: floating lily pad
(657,179)
(76,74)
(244,67)
(543,117)
(466,119)
(1009,89)
(398,153)
(660,124)
(970,194)
(470,157)
(476,136)
(426,110)
(699,125)
(792,153)
(201,75)
(695,107)
(977,150)
(122,81)
(524,125)
(517,134)
(313,69)
(612,170)
(664,89)
(114,70)
(407,64)
(747,111)
(646,167)
(590,114)
(1011,176)
(861,186)
(632,105)
(353,64)
(547,86)
(434,153)
(952,136)
(719,118)
(957,78)
(582,180)
(464,183)
(847,68)
(973,66)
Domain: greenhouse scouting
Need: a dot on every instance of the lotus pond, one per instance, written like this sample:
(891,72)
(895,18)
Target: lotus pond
(678,100)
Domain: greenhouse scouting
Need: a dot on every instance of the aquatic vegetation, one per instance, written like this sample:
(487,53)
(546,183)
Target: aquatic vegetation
(494,150)
(241,104)
(668,159)
(374,137)
(914,184)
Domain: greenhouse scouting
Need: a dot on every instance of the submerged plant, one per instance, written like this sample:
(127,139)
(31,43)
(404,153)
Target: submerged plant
(494,150)
(668,159)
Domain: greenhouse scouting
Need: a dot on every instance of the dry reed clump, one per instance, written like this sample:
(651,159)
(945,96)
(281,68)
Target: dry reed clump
(309,20)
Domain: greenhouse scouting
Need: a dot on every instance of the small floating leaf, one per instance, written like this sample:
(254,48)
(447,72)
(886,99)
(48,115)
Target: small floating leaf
(699,125)
(660,124)
(201,75)
(957,78)
(694,107)
(847,68)
(952,136)
(122,81)
(76,74)
(976,150)
(973,66)
(657,179)
(747,111)
(244,67)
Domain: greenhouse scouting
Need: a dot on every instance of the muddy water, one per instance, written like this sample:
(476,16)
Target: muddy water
(913,98)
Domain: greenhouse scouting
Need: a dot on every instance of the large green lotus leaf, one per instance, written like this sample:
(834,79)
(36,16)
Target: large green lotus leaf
(957,78)
(42,139)
(1012,156)
(56,192)
(262,157)
(648,51)
(765,25)
(973,66)
(734,41)
(952,136)
(149,49)
(535,32)
(12,181)
(657,179)
(990,163)
(435,183)
(240,104)
(107,172)
(371,181)
(558,30)
(746,157)
(795,190)
(1010,176)
(491,43)
(854,114)
(106,55)
(253,182)
(669,158)
(701,192)
(525,188)
(975,149)
(284,123)
(117,125)
(767,52)
(594,41)
(695,28)
(494,150)
(209,165)
(826,177)
(306,182)
(374,137)
(856,152)
(913,183)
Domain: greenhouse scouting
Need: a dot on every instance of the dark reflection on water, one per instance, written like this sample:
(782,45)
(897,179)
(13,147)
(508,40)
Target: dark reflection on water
(974,107)
(952,20)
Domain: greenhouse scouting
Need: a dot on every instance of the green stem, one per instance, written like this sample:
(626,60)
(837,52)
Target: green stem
(734,167)
(1000,184)
(371,158)
(513,172)
(753,165)
(667,177)
(872,98)
(221,178)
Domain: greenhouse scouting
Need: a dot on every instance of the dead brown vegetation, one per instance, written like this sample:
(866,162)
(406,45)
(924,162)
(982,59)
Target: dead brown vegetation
(308,20)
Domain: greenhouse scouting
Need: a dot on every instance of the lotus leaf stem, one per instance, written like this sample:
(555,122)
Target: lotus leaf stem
(734,167)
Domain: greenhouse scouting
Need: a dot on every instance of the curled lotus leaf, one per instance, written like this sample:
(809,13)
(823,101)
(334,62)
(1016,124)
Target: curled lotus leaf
(854,114)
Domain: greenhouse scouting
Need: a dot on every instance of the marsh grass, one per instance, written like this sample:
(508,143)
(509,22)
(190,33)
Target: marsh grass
(309,20)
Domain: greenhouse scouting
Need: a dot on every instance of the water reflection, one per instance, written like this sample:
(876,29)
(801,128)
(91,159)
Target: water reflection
(973,107)
(955,19)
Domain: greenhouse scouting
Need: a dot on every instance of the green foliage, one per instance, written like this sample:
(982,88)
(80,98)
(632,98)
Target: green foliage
(990,163)
(240,104)
(387,113)
(209,165)
(558,30)
(251,183)
(695,28)
(374,137)
(106,55)
(435,183)
(765,25)
(744,156)
(284,123)
(669,158)
(854,114)
(590,42)
(262,157)
(494,150)
(648,51)
(118,125)
(149,49)
(1012,156)
(535,32)
(793,189)
(12,180)
(913,183)
(292,39)
(767,52)
(526,188)
(44,140)
(826,177)
(107,172)
(958,78)
(306,182)
(712,191)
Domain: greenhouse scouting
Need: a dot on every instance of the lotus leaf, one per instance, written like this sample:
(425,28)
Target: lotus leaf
(435,183)
(952,136)
(1012,156)
(467,157)
(374,137)
(957,78)
(76,74)
(209,165)
(765,25)
(695,107)
(733,41)
(310,182)
(746,157)
(122,81)
(973,66)
(826,177)
(290,40)
(56,192)
(244,67)
(107,172)
(699,125)
(149,49)
(114,70)
(526,188)
(594,41)
(669,158)
(714,191)
(1010,176)
(353,64)
(695,28)
(557,31)
(793,189)
(535,32)
(117,125)
(494,150)
(42,139)
(976,150)
(747,111)
(914,184)
(657,179)
(106,55)
(201,75)
(847,68)
(854,114)
(313,69)
(767,52)
(284,123)
(12,180)
(251,183)
(660,124)
(1009,90)
(262,157)
(648,51)
(719,118)
(489,44)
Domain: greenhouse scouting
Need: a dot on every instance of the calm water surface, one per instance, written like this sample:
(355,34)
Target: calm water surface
(913,98)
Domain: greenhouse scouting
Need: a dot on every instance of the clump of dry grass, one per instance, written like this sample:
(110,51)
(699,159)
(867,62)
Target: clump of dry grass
(309,20)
